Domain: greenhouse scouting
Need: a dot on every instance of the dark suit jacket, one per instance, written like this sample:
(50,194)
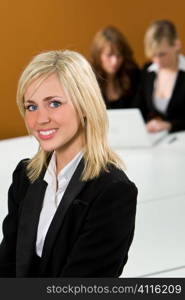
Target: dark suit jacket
(90,233)
(175,113)
(126,100)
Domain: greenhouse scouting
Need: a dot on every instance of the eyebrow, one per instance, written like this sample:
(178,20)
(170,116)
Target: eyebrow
(45,99)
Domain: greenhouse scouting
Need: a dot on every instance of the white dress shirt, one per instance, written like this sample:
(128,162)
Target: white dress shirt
(53,195)
(161,104)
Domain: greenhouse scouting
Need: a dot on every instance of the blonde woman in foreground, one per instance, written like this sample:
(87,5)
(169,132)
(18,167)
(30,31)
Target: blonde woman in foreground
(71,207)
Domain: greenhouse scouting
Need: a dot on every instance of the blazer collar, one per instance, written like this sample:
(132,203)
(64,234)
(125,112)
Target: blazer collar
(149,88)
(178,90)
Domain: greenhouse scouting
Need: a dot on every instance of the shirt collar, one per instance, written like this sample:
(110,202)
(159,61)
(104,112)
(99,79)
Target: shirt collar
(65,174)
(182,62)
(181,65)
(51,170)
(69,169)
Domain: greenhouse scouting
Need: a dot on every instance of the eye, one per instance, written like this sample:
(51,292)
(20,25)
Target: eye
(55,104)
(31,107)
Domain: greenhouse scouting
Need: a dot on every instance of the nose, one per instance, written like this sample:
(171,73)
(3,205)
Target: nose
(42,116)
(114,60)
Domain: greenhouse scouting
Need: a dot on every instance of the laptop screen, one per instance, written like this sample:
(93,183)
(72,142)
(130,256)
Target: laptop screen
(127,129)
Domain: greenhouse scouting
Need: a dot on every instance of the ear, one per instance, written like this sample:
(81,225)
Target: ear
(178,45)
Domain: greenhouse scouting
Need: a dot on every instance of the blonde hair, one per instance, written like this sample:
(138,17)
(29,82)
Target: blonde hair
(79,82)
(156,33)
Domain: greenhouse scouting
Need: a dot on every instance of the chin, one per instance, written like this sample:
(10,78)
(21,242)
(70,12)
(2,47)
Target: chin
(112,72)
(47,148)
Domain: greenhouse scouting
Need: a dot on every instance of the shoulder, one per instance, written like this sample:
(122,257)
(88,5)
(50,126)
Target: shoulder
(136,71)
(19,177)
(135,75)
(114,192)
(20,183)
(21,167)
(146,65)
(145,68)
(146,74)
(114,173)
(116,180)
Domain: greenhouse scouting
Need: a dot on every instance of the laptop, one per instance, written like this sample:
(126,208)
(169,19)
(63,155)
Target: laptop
(127,129)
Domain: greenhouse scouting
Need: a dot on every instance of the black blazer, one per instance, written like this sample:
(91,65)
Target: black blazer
(89,236)
(126,100)
(175,113)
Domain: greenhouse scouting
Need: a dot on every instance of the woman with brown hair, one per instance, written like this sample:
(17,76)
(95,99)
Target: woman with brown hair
(116,70)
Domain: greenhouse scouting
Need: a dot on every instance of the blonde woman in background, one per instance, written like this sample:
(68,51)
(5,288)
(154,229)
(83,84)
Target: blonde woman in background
(117,72)
(71,207)
(161,96)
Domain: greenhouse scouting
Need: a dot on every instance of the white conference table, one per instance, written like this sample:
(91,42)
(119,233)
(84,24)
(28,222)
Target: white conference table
(159,243)
(158,172)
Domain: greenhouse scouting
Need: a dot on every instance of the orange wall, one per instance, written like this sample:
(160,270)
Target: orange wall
(28,27)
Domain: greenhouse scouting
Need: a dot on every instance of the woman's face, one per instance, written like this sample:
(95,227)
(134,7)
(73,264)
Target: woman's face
(51,117)
(111,60)
(166,55)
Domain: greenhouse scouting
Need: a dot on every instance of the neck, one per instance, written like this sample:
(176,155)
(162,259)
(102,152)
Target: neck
(173,66)
(63,159)
(111,77)
(66,153)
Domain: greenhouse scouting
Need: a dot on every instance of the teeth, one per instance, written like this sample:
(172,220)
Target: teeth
(47,132)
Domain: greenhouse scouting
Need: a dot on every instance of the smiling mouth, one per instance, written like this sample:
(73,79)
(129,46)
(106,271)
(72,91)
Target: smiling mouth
(46,134)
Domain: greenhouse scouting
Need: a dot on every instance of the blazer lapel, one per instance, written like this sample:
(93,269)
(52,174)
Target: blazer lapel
(28,226)
(150,88)
(73,189)
(178,90)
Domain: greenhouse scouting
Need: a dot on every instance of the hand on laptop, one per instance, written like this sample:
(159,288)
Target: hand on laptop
(156,125)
